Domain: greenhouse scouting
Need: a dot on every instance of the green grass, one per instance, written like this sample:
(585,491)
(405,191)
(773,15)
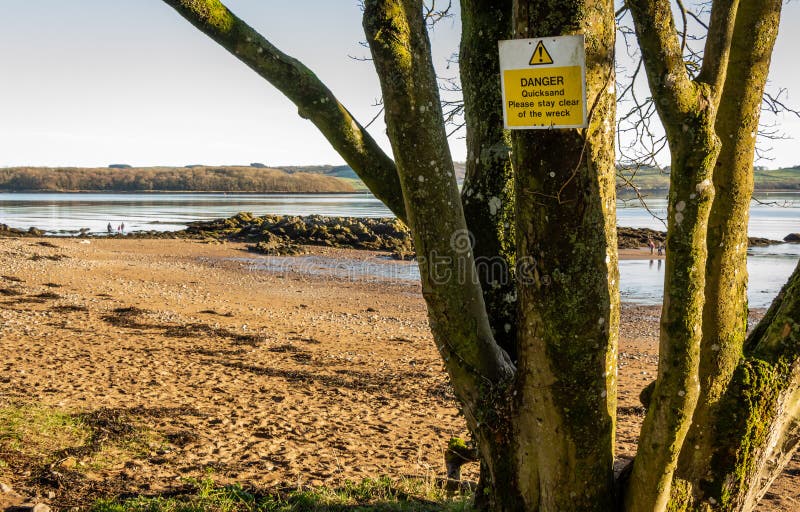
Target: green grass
(378,495)
(34,436)
(38,432)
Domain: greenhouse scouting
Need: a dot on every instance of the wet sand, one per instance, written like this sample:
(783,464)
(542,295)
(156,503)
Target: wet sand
(271,379)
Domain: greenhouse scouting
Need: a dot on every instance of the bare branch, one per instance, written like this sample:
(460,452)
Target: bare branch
(774,103)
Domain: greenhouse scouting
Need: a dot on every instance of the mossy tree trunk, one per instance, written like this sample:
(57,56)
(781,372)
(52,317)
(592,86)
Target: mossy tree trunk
(488,191)
(688,111)
(488,197)
(481,372)
(726,310)
(723,419)
(568,281)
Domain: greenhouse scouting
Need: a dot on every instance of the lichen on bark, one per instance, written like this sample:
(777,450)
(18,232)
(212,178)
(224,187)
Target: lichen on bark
(566,267)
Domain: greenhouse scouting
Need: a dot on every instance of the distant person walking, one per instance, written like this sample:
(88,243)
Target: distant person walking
(122,228)
(660,248)
(651,245)
(110,229)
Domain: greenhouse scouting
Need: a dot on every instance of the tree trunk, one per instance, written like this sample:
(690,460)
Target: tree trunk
(488,200)
(725,313)
(758,428)
(480,371)
(488,192)
(568,280)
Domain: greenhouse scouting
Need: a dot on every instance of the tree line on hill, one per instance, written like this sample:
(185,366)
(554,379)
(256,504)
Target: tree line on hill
(167,179)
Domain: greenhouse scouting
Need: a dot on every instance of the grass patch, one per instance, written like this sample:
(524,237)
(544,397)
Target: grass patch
(50,448)
(379,495)
(40,433)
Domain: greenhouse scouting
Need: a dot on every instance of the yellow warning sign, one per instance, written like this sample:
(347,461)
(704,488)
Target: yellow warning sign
(540,56)
(543,82)
(544,96)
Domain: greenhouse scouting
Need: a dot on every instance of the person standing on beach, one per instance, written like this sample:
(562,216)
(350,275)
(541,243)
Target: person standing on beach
(651,245)
(660,248)
(110,228)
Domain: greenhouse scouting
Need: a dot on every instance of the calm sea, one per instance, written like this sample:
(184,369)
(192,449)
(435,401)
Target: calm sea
(772,216)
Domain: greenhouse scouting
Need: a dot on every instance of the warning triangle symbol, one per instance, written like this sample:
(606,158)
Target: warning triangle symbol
(540,56)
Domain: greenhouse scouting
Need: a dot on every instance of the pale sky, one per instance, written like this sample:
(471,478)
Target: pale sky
(95,82)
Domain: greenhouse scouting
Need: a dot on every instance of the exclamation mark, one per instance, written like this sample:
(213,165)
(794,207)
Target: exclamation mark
(541,48)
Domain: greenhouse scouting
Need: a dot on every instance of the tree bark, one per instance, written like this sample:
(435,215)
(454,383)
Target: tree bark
(568,280)
(480,371)
(726,311)
(488,191)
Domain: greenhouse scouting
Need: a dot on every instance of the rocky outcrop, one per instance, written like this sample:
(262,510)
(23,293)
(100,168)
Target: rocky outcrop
(273,232)
(634,238)
(9,232)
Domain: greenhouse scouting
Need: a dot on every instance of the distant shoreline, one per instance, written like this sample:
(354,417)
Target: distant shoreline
(285,234)
(210,179)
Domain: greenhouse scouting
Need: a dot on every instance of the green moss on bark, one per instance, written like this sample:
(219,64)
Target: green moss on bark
(566,267)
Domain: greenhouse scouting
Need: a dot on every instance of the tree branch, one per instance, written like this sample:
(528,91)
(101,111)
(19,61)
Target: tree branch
(718,45)
(314,100)
(661,50)
(401,51)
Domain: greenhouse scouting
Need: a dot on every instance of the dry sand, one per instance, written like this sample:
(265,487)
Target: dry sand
(270,379)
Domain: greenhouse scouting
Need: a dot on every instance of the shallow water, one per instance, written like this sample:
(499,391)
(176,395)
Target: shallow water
(168,212)
(641,281)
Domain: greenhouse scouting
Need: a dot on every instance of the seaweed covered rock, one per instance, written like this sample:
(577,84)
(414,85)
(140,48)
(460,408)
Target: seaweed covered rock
(277,248)
(634,238)
(269,231)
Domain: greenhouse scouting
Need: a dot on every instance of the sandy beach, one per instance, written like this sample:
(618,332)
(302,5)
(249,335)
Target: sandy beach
(275,378)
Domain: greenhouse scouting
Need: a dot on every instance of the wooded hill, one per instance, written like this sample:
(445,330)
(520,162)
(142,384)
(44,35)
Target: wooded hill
(652,179)
(167,179)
